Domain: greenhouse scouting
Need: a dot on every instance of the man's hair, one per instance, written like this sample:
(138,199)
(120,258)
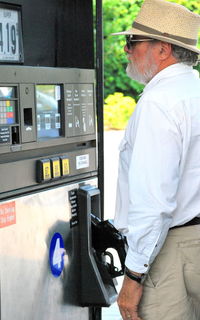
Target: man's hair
(184,55)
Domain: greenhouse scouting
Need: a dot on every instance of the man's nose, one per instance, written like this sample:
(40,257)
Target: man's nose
(126,49)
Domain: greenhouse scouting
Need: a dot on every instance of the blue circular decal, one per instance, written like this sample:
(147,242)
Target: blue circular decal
(56,254)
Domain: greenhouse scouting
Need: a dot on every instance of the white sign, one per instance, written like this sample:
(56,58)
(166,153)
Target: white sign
(10,32)
(82,161)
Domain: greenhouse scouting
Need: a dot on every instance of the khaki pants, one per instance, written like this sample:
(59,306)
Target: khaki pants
(172,287)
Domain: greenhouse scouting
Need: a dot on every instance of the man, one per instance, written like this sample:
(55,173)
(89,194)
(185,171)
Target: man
(158,195)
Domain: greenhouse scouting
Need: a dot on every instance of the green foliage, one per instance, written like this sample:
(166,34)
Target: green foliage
(117,110)
(118,16)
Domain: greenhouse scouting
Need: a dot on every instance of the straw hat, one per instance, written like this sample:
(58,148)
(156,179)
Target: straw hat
(166,21)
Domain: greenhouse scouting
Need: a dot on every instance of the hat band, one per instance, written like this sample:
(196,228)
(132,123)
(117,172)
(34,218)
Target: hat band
(146,29)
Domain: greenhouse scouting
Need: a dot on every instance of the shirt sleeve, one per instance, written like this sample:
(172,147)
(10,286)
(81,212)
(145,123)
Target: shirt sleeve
(153,179)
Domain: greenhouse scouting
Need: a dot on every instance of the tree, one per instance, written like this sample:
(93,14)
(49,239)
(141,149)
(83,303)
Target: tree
(118,16)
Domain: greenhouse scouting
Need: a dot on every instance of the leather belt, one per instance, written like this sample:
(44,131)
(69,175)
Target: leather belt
(192,222)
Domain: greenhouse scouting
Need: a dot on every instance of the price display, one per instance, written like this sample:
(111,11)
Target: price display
(10,35)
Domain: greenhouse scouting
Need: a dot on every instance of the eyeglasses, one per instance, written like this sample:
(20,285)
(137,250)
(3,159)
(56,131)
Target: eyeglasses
(131,41)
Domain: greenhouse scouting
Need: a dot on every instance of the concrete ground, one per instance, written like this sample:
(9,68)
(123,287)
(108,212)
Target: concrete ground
(111,143)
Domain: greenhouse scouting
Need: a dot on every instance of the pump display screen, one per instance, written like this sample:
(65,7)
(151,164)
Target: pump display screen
(7,105)
(48,99)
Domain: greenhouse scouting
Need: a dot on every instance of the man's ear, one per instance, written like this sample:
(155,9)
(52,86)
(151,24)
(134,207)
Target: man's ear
(165,50)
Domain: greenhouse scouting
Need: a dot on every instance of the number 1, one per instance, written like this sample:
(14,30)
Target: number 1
(1,37)
(8,37)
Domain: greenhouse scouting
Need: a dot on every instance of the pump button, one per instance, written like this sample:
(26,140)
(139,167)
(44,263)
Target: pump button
(64,166)
(43,170)
(55,165)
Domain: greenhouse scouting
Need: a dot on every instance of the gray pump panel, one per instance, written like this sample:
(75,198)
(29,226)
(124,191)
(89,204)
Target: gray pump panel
(47,127)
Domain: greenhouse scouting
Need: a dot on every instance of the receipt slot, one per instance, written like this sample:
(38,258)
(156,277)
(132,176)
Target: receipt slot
(97,275)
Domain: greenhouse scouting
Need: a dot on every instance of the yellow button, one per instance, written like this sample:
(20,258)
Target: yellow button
(56,168)
(46,170)
(65,166)
(43,170)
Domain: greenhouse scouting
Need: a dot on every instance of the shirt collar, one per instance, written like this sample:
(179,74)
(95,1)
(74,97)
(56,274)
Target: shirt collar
(171,71)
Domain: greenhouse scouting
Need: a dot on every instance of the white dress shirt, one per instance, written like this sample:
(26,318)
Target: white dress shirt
(159,164)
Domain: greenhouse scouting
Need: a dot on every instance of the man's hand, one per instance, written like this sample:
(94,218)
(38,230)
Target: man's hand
(129,299)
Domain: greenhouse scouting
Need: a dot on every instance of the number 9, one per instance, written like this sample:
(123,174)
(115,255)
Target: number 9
(13,39)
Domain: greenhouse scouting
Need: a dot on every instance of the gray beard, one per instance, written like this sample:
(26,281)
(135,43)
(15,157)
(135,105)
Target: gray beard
(134,73)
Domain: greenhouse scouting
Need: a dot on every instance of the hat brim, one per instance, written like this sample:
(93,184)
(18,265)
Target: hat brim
(137,32)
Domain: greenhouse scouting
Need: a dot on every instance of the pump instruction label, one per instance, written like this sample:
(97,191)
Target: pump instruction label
(82,161)
(7,214)
(4,134)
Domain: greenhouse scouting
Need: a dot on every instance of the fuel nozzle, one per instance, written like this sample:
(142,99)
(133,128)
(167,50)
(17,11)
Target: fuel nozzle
(104,236)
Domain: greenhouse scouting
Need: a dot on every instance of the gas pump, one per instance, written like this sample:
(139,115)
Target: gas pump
(52,265)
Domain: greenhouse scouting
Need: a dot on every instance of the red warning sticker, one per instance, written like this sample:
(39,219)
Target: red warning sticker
(7,214)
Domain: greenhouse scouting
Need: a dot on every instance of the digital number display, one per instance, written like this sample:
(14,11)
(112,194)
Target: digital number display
(10,35)
(48,99)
